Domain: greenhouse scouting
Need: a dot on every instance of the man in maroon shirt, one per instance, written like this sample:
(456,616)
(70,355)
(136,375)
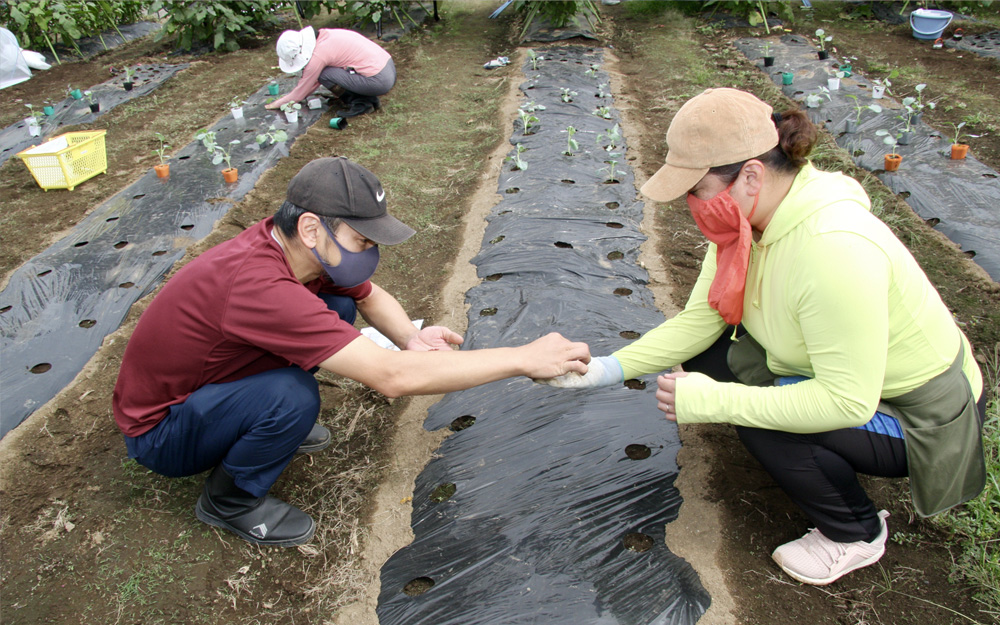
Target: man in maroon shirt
(217,375)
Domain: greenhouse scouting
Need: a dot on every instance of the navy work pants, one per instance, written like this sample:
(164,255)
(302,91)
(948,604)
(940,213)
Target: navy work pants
(252,426)
(818,471)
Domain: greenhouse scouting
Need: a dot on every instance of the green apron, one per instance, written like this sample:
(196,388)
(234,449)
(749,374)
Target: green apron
(941,428)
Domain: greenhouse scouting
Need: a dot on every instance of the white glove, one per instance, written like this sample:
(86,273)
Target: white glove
(601,371)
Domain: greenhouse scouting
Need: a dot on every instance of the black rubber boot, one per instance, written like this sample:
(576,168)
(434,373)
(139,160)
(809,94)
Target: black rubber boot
(262,520)
(318,440)
(358,106)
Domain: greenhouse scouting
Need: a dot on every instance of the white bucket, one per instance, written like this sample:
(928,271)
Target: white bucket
(929,23)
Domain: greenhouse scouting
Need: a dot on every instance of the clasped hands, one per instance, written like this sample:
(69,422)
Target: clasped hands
(607,371)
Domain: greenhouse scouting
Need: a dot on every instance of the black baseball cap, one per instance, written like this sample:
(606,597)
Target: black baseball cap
(338,187)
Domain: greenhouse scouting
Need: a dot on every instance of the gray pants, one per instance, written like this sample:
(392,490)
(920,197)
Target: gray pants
(376,85)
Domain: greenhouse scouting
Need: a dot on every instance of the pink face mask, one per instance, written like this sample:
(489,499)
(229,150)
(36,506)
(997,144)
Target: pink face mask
(722,222)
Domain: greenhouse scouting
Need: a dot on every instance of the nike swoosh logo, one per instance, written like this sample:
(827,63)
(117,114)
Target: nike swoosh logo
(380,196)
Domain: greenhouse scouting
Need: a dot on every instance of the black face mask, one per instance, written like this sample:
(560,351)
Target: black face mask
(354,267)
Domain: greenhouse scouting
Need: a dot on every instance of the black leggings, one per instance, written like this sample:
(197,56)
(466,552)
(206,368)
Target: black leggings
(819,471)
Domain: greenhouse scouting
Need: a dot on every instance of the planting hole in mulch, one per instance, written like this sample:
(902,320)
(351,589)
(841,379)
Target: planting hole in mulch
(635,451)
(461,423)
(418,586)
(443,492)
(637,542)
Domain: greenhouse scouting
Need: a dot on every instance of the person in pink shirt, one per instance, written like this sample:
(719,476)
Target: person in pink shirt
(336,58)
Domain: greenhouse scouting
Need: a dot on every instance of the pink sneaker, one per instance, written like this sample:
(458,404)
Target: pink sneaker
(817,560)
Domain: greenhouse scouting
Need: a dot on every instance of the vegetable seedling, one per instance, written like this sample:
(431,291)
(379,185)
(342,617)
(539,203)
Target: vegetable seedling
(822,38)
(36,115)
(274,134)
(207,138)
(888,138)
(571,144)
(918,102)
(613,136)
(534,58)
(527,120)
(225,153)
(162,150)
(519,163)
(813,100)
(860,108)
(603,112)
(612,172)
(959,134)
(567,95)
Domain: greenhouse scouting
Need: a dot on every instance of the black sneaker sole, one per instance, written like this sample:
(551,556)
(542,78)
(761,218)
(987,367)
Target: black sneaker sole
(207,517)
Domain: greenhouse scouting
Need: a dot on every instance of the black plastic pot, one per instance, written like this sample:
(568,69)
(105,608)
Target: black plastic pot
(823,55)
(906,137)
(768,61)
(96,106)
(850,126)
(127,85)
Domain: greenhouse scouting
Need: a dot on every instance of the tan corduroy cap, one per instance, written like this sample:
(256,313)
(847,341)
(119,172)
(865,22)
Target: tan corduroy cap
(717,127)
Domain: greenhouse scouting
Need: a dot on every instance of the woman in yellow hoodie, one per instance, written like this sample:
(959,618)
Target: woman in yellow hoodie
(812,329)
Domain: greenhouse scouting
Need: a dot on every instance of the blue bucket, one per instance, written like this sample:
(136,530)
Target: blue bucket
(929,23)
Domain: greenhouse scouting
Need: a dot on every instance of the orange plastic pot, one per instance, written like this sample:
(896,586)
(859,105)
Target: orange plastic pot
(892,162)
(230,174)
(163,170)
(959,151)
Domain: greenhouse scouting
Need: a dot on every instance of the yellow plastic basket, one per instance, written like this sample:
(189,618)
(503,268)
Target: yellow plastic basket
(67,160)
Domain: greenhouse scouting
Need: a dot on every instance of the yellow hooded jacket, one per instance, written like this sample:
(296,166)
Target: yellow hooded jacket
(832,295)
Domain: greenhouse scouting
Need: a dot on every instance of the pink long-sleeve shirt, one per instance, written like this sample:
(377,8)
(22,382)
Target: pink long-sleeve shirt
(337,47)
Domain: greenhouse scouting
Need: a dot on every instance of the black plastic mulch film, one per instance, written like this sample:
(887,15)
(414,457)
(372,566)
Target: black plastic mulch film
(958,197)
(59,306)
(549,505)
(70,112)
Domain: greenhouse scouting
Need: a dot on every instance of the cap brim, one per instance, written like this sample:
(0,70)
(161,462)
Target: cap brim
(384,230)
(671,182)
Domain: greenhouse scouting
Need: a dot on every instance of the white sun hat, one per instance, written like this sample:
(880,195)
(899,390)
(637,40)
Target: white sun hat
(295,48)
